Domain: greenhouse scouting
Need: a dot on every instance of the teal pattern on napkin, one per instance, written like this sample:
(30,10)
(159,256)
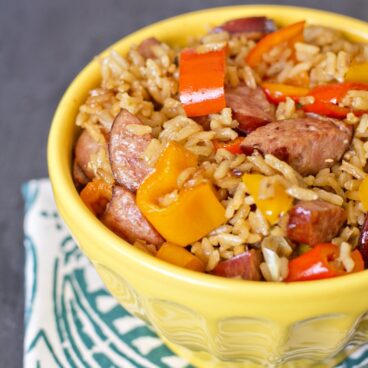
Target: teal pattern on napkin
(70,318)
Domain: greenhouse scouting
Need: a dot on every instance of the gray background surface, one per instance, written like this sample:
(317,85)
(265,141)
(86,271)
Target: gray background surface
(43,44)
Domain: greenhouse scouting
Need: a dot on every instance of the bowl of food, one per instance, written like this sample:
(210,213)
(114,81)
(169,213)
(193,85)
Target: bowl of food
(213,168)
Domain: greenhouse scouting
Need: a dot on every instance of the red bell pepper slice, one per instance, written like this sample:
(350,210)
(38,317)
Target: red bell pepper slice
(321,263)
(327,109)
(233,146)
(201,81)
(290,34)
(358,261)
(277,92)
(315,264)
(328,96)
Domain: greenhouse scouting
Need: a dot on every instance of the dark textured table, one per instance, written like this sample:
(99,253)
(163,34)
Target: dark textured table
(43,44)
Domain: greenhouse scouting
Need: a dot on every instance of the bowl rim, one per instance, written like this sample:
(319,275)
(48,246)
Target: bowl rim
(63,186)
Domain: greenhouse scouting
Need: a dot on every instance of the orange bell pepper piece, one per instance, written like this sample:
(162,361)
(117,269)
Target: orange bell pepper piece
(194,213)
(328,96)
(271,208)
(180,256)
(277,92)
(299,37)
(232,146)
(201,81)
(357,73)
(291,34)
(96,194)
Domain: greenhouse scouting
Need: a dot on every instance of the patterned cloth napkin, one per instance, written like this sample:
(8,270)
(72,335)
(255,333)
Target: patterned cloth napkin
(70,318)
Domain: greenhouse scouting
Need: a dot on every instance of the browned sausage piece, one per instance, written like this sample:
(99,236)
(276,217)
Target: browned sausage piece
(363,241)
(126,150)
(314,222)
(307,144)
(244,265)
(85,147)
(250,107)
(203,120)
(252,27)
(124,218)
(145,47)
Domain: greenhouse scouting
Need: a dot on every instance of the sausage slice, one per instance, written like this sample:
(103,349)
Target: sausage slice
(307,144)
(126,152)
(250,107)
(124,218)
(314,222)
(363,241)
(244,265)
(252,27)
(203,120)
(85,147)
(145,47)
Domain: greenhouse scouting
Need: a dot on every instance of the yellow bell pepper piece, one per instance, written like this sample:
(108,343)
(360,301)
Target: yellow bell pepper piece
(180,256)
(271,208)
(357,73)
(193,214)
(363,193)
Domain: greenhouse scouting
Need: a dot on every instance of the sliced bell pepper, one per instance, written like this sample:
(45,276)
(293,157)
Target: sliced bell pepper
(271,208)
(232,146)
(328,96)
(299,36)
(357,73)
(291,34)
(193,214)
(358,261)
(277,92)
(327,109)
(96,194)
(321,263)
(316,264)
(180,256)
(363,193)
(201,81)
(335,92)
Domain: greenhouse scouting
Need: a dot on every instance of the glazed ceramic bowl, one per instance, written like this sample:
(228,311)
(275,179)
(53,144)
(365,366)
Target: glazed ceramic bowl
(212,321)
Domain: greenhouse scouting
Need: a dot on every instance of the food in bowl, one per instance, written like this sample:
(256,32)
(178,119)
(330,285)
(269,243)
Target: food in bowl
(242,155)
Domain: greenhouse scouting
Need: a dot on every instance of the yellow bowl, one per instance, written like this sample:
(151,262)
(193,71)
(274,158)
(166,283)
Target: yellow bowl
(212,321)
